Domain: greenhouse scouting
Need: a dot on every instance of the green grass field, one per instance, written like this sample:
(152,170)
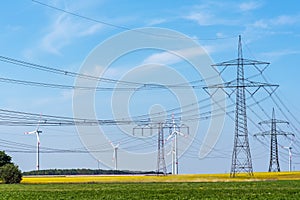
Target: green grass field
(209,190)
(263,185)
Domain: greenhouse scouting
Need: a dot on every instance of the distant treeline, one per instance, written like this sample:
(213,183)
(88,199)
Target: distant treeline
(83,172)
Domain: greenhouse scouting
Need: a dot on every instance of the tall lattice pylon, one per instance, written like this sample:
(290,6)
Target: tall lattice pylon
(241,156)
(160,127)
(161,163)
(273,133)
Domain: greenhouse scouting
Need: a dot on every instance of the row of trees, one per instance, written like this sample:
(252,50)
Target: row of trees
(9,172)
(82,172)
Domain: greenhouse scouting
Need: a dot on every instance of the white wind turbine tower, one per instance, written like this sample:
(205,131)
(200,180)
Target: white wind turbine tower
(289,148)
(174,151)
(37,133)
(115,154)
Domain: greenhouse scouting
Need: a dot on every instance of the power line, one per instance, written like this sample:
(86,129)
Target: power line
(273,133)
(130,84)
(241,156)
(279,103)
(81,16)
(72,87)
(61,72)
(122,27)
(17,118)
(17,149)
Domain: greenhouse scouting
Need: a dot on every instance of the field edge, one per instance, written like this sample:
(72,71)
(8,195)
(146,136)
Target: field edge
(258,176)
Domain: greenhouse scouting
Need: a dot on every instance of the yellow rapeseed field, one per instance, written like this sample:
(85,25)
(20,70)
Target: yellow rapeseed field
(259,176)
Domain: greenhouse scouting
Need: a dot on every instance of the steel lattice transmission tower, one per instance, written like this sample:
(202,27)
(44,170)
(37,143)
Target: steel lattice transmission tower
(150,128)
(274,161)
(160,127)
(241,156)
(161,163)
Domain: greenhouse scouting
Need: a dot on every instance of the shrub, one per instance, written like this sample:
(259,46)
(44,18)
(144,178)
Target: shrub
(10,173)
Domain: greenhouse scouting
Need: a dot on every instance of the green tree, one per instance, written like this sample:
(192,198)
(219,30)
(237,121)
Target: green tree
(4,159)
(10,173)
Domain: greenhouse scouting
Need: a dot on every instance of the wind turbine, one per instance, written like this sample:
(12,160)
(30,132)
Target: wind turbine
(289,148)
(115,154)
(172,152)
(174,135)
(37,133)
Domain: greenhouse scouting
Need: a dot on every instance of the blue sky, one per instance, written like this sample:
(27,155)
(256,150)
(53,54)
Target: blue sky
(38,34)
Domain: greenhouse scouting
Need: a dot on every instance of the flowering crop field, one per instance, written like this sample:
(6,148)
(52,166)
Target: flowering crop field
(281,185)
(261,176)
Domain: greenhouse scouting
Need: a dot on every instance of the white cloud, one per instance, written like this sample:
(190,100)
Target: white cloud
(208,17)
(202,18)
(168,58)
(248,6)
(260,24)
(63,31)
(209,48)
(162,58)
(154,22)
(286,20)
(220,35)
(58,35)
(282,20)
(91,30)
(280,53)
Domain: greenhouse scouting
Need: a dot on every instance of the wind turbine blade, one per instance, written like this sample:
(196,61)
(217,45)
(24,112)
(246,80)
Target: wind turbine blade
(181,134)
(169,152)
(38,138)
(170,136)
(113,156)
(38,126)
(113,146)
(31,132)
(291,143)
